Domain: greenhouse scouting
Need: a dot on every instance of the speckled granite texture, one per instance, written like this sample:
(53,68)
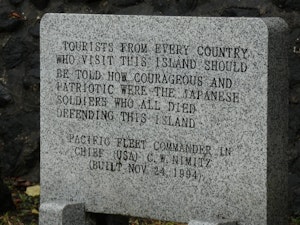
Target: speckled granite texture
(172,118)
(62,213)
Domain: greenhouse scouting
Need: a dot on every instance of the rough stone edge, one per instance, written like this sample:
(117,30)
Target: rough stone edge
(62,213)
(277,167)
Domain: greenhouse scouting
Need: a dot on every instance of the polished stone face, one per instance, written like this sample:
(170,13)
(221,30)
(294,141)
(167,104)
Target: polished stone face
(173,118)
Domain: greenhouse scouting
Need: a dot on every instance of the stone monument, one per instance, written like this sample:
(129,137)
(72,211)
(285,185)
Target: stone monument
(171,118)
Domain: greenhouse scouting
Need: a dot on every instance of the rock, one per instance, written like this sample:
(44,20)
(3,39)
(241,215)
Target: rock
(32,79)
(32,73)
(293,152)
(294,122)
(293,181)
(40,4)
(297,191)
(295,94)
(125,2)
(240,12)
(172,10)
(5,198)
(185,6)
(294,194)
(140,9)
(35,30)
(33,60)
(19,135)
(287,4)
(169,8)
(160,5)
(33,174)
(29,156)
(294,55)
(82,1)
(174,7)
(9,22)
(67,1)
(5,97)
(295,210)
(57,9)
(292,4)
(71,1)
(13,52)
(16,2)
(296,168)
(279,3)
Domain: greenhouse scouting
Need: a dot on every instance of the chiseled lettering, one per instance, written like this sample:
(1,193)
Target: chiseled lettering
(191,148)
(92,88)
(223,52)
(130,143)
(198,162)
(105,165)
(88,151)
(229,66)
(136,168)
(174,49)
(175,121)
(125,155)
(82,114)
(134,47)
(84,46)
(222,96)
(133,117)
(133,89)
(85,139)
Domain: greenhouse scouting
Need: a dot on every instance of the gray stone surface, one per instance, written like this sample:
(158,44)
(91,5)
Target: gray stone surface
(219,222)
(62,213)
(190,137)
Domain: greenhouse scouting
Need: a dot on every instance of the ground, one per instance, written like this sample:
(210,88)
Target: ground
(27,203)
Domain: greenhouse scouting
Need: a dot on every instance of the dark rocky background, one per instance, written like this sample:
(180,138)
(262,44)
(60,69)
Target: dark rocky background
(19,70)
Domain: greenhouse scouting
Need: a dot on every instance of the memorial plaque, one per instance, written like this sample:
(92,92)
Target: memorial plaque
(171,118)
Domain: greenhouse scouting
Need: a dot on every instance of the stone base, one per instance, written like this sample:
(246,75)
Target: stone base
(215,222)
(62,213)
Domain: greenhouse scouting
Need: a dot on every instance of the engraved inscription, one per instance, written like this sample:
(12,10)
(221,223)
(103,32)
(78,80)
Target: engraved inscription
(110,83)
